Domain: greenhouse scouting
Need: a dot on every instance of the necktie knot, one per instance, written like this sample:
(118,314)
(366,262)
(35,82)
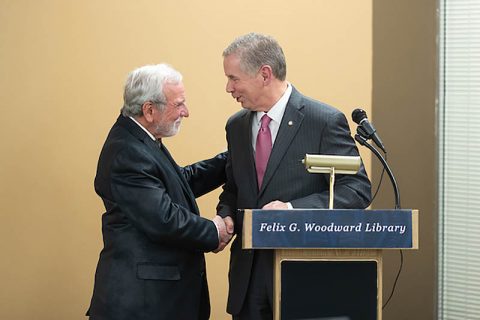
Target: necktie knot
(265,121)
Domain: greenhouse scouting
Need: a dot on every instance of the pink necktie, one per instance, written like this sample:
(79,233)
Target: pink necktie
(263,148)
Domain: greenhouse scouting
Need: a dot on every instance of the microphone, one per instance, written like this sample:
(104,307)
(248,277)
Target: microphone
(365,128)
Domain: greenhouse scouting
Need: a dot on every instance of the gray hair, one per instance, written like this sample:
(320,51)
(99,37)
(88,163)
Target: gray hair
(146,84)
(256,50)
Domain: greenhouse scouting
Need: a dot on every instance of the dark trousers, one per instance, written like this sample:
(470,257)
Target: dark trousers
(258,304)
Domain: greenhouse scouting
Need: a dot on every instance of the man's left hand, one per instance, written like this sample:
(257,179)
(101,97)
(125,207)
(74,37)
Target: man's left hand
(276,205)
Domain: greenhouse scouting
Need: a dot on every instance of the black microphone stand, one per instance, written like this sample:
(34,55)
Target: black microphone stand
(363,141)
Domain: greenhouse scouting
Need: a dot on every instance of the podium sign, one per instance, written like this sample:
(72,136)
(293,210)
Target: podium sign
(374,229)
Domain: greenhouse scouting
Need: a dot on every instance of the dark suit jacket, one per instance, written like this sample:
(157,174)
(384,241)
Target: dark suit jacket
(152,265)
(316,128)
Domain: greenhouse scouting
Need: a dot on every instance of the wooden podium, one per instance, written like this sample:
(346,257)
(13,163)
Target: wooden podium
(328,263)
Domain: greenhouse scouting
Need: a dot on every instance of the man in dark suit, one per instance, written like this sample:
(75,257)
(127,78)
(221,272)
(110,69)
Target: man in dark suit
(266,141)
(152,265)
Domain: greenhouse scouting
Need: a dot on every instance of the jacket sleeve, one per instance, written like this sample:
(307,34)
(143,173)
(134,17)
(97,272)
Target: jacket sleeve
(228,198)
(207,175)
(139,188)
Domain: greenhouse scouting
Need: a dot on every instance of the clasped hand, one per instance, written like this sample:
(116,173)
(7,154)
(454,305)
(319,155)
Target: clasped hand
(225,231)
(225,225)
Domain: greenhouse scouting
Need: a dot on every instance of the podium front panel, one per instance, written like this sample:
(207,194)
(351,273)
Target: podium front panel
(328,290)
(327,284)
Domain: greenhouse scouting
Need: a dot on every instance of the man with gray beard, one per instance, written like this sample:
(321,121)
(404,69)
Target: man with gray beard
(152,265)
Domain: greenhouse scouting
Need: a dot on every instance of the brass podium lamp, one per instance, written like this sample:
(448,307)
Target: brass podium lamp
(315,163)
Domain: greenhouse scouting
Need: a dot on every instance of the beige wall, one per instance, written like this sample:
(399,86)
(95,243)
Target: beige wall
(62,67)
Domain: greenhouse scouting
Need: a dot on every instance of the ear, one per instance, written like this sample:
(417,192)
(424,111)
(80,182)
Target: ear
(266,73)
(147,110)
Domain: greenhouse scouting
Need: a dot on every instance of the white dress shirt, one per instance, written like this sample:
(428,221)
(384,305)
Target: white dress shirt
(275,113)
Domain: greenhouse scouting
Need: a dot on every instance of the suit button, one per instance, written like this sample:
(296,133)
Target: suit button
(202,274)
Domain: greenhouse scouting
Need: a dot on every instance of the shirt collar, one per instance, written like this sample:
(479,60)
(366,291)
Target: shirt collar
(278,109)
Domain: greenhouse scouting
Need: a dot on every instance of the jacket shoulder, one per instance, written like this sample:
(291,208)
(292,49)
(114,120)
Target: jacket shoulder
(318,107)
(311,106)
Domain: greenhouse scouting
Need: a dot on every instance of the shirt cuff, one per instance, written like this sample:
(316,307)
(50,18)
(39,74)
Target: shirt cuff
(218,230)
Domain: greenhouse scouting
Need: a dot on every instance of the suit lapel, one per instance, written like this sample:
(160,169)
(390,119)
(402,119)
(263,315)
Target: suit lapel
(183,181)
(291,122)
(246,140)
(163,156)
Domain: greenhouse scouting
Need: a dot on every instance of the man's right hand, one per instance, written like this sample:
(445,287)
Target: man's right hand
(229,224)
(225,231)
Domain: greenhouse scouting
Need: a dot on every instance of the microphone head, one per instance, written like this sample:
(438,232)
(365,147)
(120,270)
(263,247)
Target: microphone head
(358,115)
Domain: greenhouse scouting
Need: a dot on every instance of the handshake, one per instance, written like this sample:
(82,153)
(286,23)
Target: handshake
(225,231)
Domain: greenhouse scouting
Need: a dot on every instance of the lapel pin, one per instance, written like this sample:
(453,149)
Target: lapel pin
(290,123)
